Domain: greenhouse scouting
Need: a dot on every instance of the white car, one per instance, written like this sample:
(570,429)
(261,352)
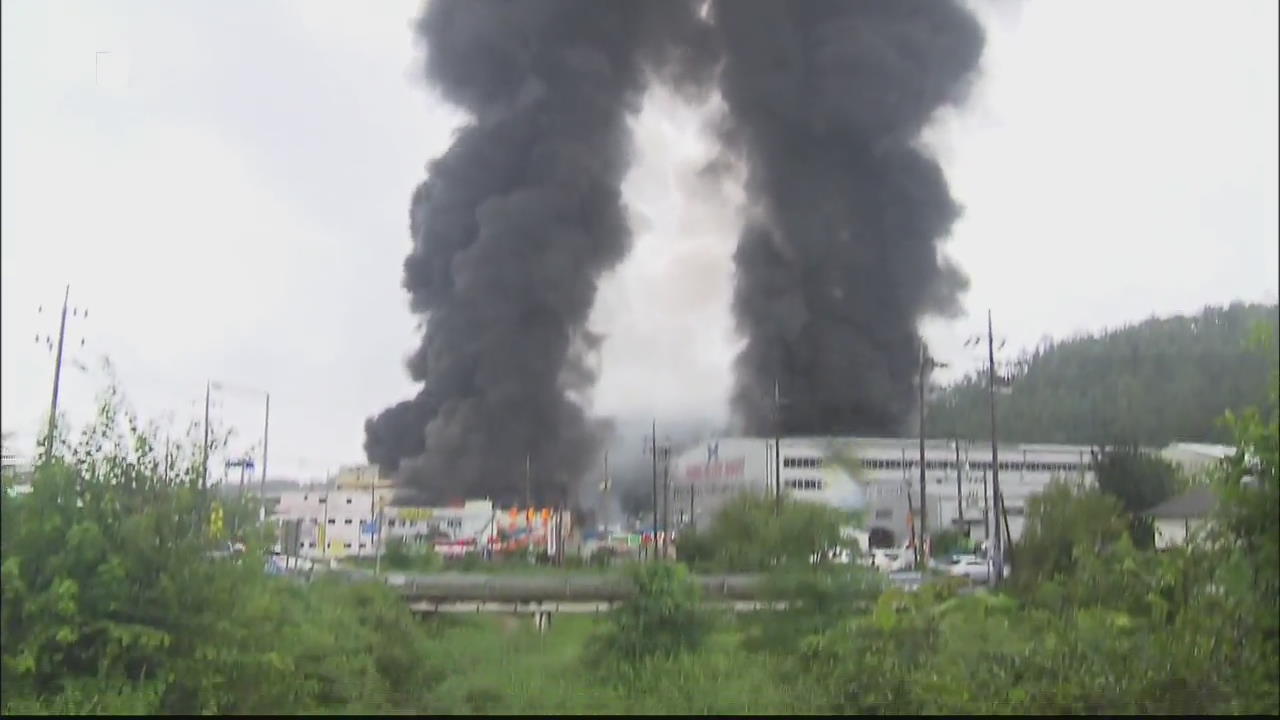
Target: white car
(892,560)
(969,566)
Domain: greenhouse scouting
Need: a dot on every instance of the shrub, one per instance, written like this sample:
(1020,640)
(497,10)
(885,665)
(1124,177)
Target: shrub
(750,534)
(663,618)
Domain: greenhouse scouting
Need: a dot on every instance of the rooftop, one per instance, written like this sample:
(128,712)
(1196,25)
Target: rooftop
(1197,502)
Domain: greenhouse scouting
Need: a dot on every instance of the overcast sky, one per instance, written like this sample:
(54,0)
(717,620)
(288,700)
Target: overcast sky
(225,186)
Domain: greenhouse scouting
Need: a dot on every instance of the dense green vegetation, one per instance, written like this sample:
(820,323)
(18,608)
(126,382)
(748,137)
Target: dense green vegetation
(751,534)
(112,603)
(1153,383)
(1139,480)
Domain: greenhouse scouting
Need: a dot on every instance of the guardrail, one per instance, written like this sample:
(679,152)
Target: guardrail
(447,587)
(571,607)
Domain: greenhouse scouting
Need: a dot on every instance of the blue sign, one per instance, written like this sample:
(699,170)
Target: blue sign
(368,528)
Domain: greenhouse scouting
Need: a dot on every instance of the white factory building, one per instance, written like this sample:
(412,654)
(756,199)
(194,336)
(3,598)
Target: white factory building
(880,476)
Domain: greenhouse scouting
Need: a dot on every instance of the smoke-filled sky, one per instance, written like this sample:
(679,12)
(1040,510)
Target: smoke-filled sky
(226,188)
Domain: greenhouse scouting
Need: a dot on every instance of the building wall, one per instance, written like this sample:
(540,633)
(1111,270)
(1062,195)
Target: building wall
(331,518)
(1171,532)
(878,475)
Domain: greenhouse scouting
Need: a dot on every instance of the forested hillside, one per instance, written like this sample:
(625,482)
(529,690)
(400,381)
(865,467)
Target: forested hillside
(1159,381)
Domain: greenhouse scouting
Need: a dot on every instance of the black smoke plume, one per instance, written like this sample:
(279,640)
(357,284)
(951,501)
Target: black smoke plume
(827,100)
(518,219)
(511,230)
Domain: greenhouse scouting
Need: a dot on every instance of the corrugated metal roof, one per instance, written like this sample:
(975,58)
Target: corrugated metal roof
(1206,449)
(1195,503)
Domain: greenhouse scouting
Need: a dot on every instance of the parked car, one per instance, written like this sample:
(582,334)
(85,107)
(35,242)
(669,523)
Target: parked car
(226,550)
(969,566)
(894,560)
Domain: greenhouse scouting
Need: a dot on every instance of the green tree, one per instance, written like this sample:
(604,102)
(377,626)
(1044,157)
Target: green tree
(1140,481)
(663,619)
(112,602)
(749,533)
(1063,523)
(1151,383)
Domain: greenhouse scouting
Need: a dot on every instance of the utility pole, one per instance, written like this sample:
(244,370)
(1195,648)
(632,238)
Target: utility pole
(528,493)
(666,500)
(57,377)
(927,363)
(777,449)
(377,547)
(324,522)
(166,458)
(204,482)
(243,463)
(911,525)
(605,487)
(986,513)
(920,552)
(262,485)
(995,453)
(959,491)
(691,490)
(653,449)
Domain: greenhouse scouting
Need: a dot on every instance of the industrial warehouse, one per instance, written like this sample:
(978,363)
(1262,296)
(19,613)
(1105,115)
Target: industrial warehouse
(879,477)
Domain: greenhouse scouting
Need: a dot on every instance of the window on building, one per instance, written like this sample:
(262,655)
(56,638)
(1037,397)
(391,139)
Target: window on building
(884,514)
(346,521)
(346,545)
(333,521)
(322,500)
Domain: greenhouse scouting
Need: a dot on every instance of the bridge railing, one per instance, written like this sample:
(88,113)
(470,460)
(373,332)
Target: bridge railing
(448,587)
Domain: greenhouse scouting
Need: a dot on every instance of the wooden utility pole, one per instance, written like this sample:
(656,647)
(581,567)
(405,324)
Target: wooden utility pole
(927,364)
(921,558)
(666,500)
(986,513)
(959,490)
(605,487)
(777,449)
(57,378)
(204,481)
(262,485)
(653,450)
(691,490)
(373,512)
